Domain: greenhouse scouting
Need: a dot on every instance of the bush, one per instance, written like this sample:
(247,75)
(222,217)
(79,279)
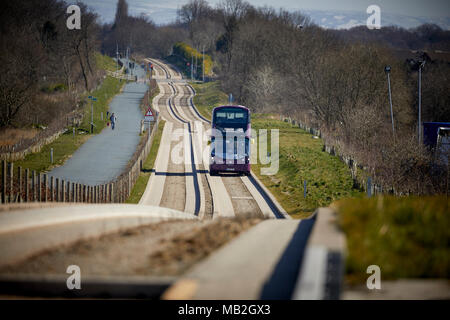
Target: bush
(407,237)
(187,52)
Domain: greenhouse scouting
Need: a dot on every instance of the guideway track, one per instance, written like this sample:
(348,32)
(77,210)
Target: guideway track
(230,195)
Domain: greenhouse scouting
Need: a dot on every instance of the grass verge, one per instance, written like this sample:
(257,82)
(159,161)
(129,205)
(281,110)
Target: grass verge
(209,95)
(301,158)
(105,63)
(407,237)
(144,176)
(66,144)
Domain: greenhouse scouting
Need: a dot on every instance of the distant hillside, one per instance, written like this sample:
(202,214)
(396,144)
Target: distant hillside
(348,19)
(425,37)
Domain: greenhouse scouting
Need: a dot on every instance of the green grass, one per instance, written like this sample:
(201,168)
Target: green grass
(301,158)
(209,95)
(144,176)
(104,62)
(63,148)
(407,237)
(66,144)
(109,88)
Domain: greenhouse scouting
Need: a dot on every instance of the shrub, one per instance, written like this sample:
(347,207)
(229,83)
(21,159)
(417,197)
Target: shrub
(187,52)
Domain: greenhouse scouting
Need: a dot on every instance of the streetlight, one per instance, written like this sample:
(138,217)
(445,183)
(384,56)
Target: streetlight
(421,65)
(387,69)
(92,112)
(117,58)
(192,67)
(203,63)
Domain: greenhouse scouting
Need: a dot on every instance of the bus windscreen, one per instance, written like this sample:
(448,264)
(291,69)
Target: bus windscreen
(225,116)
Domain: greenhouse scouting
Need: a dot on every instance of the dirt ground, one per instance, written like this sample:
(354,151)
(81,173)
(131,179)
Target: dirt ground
(162,249)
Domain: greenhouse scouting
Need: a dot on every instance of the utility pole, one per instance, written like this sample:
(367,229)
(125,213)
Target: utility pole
(128,61)
(92,112)
(196,65)
(192,67)
(421,65)
(92,117)
(117,57)
(387,69)
(203,66)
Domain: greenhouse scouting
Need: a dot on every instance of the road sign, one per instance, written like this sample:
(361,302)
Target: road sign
(149,116)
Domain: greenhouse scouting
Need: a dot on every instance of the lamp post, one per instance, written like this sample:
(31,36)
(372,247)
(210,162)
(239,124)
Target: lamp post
(421,65)
(387,69)
(117,56)
(92,112)
(203,64)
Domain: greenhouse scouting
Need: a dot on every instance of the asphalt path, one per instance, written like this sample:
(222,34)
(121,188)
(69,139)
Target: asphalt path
(104,156)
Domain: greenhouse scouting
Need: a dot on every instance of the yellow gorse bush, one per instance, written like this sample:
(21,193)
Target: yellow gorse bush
(187,52)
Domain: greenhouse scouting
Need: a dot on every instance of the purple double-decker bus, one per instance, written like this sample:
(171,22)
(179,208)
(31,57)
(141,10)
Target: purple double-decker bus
(230,140)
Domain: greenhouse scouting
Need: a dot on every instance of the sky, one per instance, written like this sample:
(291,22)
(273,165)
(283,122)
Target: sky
(417,11)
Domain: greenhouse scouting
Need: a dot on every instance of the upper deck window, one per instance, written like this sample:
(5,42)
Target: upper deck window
(231,115)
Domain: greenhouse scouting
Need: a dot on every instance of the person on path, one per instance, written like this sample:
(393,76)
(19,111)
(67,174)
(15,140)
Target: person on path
(113,119)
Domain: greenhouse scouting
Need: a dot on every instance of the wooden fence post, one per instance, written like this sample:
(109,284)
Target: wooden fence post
(74,193)
(52,191)
(27,185)
(39,191)
(4,181)
(33,185)
(69,192)
(57,190)
(19,182)
(45,187)
(63,189)
(11,182)
(112,192)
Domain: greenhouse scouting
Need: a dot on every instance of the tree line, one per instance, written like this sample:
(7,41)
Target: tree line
(43,63)
(271,60)
(280,61)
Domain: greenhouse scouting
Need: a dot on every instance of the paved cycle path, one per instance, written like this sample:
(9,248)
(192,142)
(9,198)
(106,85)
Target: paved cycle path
(104,156)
